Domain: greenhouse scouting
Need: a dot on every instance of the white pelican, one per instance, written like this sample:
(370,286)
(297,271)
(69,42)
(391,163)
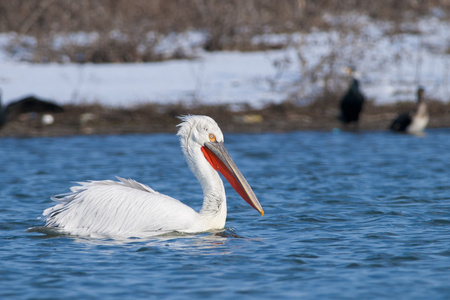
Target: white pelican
(129,208)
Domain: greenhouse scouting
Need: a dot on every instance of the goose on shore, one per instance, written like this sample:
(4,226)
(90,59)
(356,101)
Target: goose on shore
(413,122)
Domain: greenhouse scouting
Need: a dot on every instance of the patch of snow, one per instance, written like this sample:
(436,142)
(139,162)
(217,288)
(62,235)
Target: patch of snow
(226,77)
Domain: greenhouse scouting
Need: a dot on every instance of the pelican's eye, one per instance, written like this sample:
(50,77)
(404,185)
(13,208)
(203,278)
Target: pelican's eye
(212,138)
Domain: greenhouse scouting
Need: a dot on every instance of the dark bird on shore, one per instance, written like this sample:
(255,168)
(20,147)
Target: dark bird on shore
(413,122)
(26,105)
(352,102)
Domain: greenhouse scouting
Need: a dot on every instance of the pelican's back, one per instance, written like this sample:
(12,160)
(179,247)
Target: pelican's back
(117,208)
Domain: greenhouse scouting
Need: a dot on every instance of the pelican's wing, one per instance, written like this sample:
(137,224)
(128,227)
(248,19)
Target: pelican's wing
(123,207)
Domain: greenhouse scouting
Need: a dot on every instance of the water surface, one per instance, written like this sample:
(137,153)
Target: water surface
(347,216)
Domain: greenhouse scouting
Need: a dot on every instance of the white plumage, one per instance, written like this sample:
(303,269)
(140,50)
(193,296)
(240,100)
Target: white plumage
(129,208)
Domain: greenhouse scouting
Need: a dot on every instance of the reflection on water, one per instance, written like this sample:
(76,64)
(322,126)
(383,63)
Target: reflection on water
(191,243)
(201,244)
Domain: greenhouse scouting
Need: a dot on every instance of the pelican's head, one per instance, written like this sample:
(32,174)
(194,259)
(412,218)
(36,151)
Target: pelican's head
(201,134)
(195,131)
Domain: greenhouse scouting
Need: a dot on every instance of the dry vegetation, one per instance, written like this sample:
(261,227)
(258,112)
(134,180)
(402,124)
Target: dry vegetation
(130,30)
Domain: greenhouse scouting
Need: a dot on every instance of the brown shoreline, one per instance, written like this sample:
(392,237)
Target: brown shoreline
(153,118)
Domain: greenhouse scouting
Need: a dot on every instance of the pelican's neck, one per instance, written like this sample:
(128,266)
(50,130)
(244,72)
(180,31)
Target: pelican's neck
(214,198)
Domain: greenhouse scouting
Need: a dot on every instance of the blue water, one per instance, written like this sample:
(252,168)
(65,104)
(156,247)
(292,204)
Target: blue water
(347,216)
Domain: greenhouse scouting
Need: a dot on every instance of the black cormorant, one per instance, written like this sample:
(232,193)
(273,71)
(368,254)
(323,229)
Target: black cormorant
(352,102)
